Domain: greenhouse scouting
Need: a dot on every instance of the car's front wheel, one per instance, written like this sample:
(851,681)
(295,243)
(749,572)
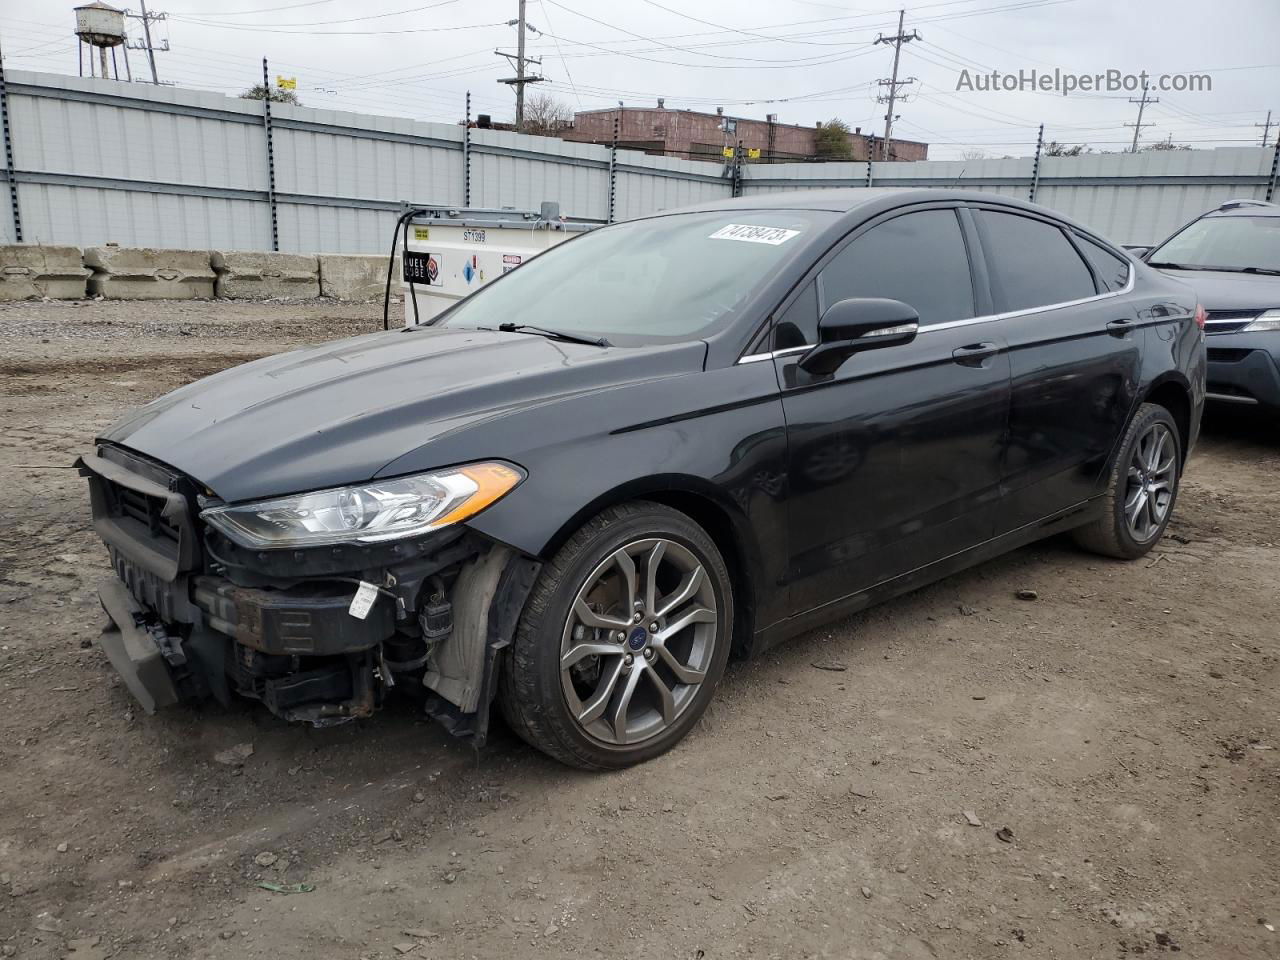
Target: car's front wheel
(623,639)
(1142,488)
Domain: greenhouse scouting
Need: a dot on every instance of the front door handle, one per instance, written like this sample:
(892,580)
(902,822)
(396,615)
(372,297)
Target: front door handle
(972,355)
(1118,328)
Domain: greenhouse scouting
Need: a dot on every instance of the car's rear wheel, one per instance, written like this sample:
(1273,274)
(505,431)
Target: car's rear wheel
(623,639)
(1142,489)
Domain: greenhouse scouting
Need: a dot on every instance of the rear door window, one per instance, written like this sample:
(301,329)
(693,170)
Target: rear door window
(1032,263)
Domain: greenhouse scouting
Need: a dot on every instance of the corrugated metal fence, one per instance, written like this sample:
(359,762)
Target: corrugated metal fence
(97,161)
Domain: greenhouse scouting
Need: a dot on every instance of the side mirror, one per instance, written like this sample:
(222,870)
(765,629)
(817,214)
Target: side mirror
(1137,250)
(851,326)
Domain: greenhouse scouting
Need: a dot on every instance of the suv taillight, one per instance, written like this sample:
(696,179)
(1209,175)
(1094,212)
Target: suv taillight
(1201,315)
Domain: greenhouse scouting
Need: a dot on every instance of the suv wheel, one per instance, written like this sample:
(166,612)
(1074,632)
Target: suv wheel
(1142,488)
(623,639)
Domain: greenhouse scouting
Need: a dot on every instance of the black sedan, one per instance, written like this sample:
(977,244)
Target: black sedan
(665,442)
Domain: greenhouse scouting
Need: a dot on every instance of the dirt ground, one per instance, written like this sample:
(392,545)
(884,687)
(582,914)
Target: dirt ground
(1124,728)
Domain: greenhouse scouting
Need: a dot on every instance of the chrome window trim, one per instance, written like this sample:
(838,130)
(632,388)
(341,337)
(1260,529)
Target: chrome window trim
(756,357)
(969,321)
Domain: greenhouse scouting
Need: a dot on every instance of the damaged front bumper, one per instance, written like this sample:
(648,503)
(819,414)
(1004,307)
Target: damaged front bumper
(194,615)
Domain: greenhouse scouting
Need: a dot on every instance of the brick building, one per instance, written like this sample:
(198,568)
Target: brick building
(703,136)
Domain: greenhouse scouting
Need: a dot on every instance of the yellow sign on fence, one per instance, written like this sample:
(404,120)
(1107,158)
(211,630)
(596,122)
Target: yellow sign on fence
(728,151)
(753,153)
(286,83)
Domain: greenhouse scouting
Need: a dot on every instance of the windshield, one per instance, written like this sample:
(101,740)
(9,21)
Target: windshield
(665,278)
(1224,243)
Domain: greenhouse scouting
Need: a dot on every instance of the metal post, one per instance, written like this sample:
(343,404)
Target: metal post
(737,170)
(271,156)
(613,169)
(466,157)
(871,153)
(11,176)
(1035,165)
(1271,184)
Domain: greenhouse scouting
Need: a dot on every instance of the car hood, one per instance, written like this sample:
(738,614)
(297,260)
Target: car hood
(338,413)
(1223,290)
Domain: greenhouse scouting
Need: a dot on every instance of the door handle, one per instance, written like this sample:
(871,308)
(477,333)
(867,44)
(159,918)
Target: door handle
(1118,328)
(972,355)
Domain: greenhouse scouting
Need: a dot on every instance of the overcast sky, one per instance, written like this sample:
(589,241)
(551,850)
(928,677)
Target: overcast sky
(802,59)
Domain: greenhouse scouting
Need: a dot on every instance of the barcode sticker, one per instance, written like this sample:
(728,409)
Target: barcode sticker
(362,602)
(751,233)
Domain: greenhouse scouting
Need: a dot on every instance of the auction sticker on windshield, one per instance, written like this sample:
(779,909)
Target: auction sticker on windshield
(754,234)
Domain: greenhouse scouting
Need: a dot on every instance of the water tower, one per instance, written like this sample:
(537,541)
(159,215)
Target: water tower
(102,26)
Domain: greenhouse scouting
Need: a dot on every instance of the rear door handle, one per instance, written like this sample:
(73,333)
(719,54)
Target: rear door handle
(972,355)
(1118,328)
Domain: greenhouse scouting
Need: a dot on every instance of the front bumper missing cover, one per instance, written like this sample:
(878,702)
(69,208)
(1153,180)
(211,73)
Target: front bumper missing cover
(194,619)
(133,650)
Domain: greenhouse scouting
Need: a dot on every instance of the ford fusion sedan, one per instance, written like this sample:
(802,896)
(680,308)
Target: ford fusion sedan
(580,491)
(1230,257)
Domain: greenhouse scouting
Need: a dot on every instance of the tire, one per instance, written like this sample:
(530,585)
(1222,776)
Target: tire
(1115,533)
(565,701)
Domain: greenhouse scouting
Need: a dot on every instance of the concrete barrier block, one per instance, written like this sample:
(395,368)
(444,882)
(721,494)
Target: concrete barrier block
(146,273)
(255,275)
(356,276)
(34,270)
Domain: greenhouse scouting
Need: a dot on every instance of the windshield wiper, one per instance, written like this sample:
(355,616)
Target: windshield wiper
(554,334)
(1268,271)
(1178,266)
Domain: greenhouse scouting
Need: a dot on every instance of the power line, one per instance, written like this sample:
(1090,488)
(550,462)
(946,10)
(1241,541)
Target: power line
(325,23)
(250,13)
(791,62)
(546,13)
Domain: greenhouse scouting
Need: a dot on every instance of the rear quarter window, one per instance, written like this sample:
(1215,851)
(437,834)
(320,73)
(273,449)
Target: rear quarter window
(1111,271)
(1031,262)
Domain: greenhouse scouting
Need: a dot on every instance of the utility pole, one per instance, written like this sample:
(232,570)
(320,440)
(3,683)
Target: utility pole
(146,44)
(1142,105)
(1266,128)
(520,61)
(894,83)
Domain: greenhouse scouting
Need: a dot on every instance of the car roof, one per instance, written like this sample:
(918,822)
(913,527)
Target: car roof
(850,199)
(856,203)
(1245,208)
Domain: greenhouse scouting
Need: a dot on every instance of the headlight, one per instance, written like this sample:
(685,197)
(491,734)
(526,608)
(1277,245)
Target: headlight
(367,513)
(1267,321)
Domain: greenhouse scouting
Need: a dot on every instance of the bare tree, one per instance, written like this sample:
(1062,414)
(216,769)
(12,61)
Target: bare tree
(545,116)
(1055,149)
(974,154)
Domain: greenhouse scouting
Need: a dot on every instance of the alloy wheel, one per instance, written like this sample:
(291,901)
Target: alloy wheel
(638,642)
(1150,484)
